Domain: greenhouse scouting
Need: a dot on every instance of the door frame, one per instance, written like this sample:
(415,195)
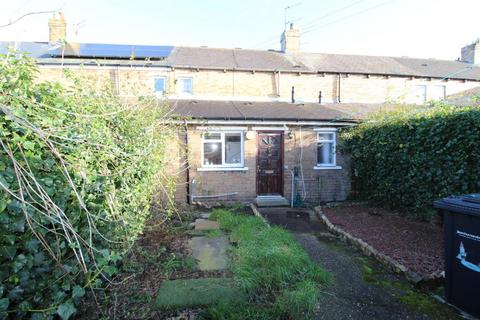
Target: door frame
(282,159)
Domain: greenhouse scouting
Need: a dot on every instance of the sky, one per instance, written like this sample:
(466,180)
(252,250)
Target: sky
(414,28)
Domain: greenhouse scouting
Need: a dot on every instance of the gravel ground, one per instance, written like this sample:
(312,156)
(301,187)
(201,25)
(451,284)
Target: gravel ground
(416,245)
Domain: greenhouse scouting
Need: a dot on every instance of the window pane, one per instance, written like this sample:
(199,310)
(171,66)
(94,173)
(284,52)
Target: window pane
(233,148)
(159,84)
(420,94)
(212,136)
(325,136)
(185,85)
(438,93)
(212,153)
(325,153)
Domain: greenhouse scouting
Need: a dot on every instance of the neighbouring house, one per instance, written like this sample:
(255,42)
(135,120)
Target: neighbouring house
(259,125)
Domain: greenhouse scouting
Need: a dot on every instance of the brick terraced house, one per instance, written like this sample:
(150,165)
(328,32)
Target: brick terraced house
(259,125)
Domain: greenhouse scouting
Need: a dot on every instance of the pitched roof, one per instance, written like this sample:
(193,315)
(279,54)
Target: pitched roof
(470,97)
(239,59)
(342,63)
(246,59)
(270,110)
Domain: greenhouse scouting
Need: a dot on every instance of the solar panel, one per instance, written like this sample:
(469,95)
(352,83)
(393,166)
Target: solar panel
(121,51)
(33,49)
(89,50)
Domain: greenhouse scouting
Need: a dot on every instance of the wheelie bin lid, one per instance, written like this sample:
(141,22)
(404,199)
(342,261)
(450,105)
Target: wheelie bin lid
(467,204)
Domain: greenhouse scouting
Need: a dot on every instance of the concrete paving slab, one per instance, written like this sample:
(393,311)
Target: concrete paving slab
(211,253)
(205,225)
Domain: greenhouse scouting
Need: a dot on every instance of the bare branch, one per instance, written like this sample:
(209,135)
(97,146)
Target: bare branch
(26,15)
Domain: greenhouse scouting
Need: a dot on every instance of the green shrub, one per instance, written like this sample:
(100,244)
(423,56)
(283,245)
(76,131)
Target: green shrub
(407,159)
(271,268)
(77,172)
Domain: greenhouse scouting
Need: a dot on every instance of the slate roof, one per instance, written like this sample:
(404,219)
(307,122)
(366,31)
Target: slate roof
(240,59)
(470,97)
(342,63)
(260,60)
(271,110)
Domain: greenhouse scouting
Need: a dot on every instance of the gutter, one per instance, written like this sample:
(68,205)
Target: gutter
(277,122)
(130,64)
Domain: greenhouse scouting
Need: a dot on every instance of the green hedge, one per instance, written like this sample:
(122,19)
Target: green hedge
(77,172)
(406,159)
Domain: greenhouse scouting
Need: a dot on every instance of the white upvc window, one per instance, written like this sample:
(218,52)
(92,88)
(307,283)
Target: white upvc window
(326,148)
(222,149)
(437,92)
(419,94)
(185,85)
(159,84)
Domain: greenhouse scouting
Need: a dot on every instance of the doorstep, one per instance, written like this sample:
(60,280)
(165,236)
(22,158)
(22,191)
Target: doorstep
(271,201)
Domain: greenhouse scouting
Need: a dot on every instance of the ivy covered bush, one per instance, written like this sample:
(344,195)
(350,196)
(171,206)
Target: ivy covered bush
(406,159)
(77,172)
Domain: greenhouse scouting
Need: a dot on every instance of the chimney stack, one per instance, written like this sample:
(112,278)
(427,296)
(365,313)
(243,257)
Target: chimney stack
(290,40)
(471,53)
(57,28)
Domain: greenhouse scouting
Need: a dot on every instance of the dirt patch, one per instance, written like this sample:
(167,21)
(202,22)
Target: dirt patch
(160,254)
(417,245)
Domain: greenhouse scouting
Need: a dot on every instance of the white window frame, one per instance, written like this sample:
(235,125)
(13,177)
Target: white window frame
(160,93)
(178,89)
(416,98)
(333,165)
(222,141)
(444,96)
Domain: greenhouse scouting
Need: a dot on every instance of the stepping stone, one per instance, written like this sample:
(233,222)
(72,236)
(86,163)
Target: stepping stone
(204,225)
(211,253)
(204,215)
(185,293)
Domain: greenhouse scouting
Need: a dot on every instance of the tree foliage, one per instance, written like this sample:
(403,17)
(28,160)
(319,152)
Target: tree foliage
(407,159)
(78,168)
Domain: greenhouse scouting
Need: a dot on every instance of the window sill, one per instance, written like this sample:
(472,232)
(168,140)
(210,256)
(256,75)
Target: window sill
(327,168)
(223,169)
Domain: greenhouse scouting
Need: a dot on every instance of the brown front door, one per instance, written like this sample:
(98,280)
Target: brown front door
(270,163)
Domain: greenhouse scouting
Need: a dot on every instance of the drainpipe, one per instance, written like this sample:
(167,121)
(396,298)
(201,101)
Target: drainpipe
(187,185)
(293,94)
(292,188)
(338,91)
(278,83)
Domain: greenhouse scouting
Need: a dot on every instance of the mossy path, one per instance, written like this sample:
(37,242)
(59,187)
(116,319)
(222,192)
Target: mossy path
(362,288)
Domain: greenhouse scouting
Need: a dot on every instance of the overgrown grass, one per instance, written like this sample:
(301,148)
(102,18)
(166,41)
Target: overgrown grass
(277,275)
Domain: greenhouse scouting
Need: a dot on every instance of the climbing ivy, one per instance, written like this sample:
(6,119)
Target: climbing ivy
(408,158)
(78,168)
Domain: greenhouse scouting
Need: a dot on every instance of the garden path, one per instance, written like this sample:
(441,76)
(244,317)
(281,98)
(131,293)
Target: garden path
(351,295)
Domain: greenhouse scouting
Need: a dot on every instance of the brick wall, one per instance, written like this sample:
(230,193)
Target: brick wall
(263,85)
(300,148)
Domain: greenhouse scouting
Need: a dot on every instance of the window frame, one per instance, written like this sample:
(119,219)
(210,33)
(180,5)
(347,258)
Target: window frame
(444,92)
(416,99)
(160,93)
(333,141)
(222,142)
(178,89)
